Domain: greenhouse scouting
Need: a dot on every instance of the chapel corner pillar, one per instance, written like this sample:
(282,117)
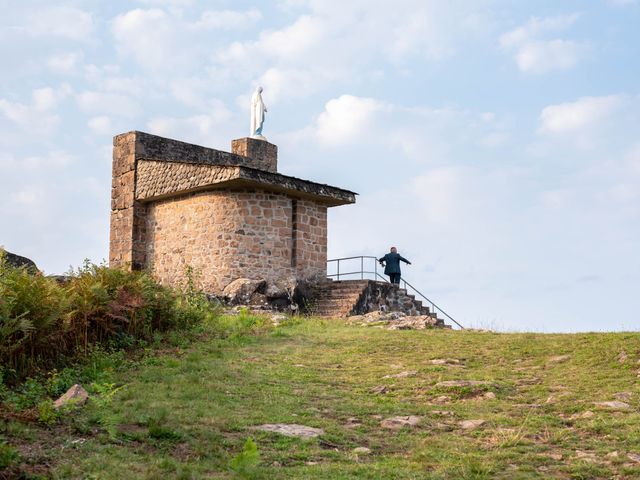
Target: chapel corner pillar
(127,227)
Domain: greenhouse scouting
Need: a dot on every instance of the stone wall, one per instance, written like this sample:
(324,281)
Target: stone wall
(310,238)
(225,235)
(222,235)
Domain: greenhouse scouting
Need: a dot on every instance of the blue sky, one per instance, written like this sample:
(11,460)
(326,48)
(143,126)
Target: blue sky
(495,143)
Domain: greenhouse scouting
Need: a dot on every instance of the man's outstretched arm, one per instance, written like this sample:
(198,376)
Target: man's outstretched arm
(405,260)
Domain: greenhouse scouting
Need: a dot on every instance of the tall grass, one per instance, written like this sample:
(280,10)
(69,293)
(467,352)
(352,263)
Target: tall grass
(43,323)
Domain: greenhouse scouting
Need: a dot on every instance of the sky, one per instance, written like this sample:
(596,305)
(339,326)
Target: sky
(495,143)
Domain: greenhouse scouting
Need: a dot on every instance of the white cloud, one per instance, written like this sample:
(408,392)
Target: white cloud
(228,19)
(107,103)
(27,197)
(206,129)
(578,116)
(35,163)
(46,98)
(545,56)
(101,125)
(346,119)
(36,117)
(536,27)
(534,54)
(65,63)
(62,21)
(333,41)
(169,3)
(153,38)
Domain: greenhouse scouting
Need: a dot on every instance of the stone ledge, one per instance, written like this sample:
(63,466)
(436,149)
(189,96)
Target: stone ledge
(162,149)
(163,179)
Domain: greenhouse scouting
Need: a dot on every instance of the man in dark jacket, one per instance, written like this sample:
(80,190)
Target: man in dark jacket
(392,267)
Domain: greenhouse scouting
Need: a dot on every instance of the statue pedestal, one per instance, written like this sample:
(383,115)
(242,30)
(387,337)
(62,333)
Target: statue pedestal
(264,155)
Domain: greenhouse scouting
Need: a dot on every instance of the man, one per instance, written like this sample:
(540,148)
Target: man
(392,267)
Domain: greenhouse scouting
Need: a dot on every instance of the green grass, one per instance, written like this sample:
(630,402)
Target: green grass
(186,412)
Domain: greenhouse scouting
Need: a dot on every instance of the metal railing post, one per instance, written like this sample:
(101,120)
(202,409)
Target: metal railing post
(338,269)
(361,268)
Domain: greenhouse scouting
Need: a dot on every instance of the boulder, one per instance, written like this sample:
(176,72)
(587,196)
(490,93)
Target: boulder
(243,291)
(396,423)
(613,405)
(290,430)
(362,450)
(18,261)
(76,396)
(471,424)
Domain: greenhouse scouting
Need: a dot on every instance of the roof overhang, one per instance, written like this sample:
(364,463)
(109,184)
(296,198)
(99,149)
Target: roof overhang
(159,179)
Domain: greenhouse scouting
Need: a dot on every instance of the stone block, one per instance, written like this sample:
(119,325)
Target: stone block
(259,154)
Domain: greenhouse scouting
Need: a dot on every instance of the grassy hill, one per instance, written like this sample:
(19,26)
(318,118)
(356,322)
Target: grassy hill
(187,410)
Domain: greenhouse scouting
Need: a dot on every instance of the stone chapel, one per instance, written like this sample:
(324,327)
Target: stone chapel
(226,215)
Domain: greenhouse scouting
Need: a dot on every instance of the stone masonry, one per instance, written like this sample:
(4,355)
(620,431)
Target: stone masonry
(226,215)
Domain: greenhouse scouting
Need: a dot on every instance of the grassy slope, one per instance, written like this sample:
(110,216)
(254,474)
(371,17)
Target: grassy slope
(186,414)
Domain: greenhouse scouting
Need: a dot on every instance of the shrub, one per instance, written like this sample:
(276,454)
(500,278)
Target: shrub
(43,324)
(8,455)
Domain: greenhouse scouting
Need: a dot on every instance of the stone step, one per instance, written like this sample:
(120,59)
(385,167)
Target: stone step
(339,298)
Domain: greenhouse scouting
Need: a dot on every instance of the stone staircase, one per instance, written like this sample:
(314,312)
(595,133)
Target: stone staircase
(357,297)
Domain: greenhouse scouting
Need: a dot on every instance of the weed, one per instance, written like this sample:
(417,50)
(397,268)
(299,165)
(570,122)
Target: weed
(8,455)
(246,462)
(158,429)
(47,414)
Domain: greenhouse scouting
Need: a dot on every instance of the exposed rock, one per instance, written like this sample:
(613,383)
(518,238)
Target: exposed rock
(489,395)
(444,361)
(623,396)
(396,423)
(278,318)
(379,389)
(61,279)
(362,450)
(19,261)
(471,424)
(586,456)
(463,383)
(290,430)
(613,405)
(443,413)
(418,322)
(243,290)
(559,358)
(375,317)
(441,399)
(583,415)
(634,457)
(352,422)
(613,454)
(76,395)
(623,357)
(407,373)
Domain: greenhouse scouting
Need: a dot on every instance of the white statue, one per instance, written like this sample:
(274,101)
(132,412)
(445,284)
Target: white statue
(257,113)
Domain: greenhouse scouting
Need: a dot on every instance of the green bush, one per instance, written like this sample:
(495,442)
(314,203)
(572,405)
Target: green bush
(44,324)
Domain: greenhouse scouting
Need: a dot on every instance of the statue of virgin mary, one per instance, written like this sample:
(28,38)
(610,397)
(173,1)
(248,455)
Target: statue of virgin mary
(257,113)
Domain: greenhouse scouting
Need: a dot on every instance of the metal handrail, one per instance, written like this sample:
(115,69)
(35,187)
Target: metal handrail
(377,275)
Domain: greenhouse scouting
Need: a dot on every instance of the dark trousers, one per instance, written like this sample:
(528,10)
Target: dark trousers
(394,278)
